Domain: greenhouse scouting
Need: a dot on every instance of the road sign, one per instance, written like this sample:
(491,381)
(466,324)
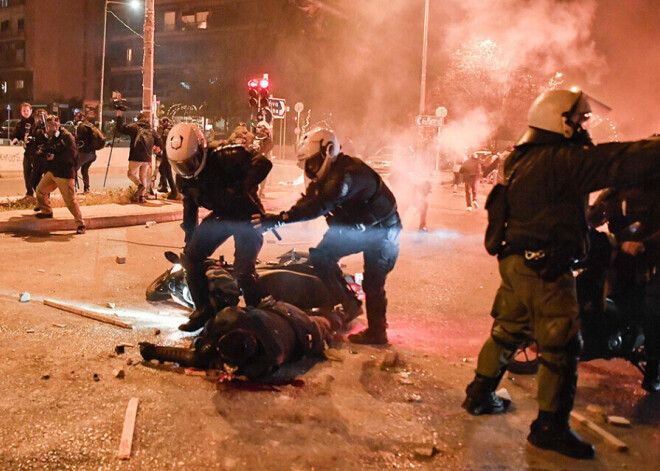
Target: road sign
(299,107)
(265,114)
(428,121)
(278,107)
(441,112)
(297,131)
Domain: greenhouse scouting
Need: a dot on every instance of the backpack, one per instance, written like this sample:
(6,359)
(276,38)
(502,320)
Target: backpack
(145,139)
(94,139)
(497,207)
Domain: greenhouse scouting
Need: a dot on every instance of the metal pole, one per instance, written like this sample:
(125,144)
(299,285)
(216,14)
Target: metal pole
(283,151)
(148,60)
(422,93)
(105,32)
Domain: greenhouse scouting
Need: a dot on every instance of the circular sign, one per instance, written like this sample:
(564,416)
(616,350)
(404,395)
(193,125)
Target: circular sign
(441,112)
(299,107)
(297,131)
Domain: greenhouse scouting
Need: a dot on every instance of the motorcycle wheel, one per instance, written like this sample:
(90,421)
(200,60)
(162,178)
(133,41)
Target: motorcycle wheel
(525,361)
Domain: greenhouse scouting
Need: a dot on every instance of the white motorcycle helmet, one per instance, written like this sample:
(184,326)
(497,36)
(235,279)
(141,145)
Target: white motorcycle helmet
(186,149)
(316,151)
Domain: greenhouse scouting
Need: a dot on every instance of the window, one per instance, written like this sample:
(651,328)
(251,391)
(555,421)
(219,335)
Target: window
(170,20)
(4,3)
(20,84)
(20,25)
(129,56)
(20,56)
(4,26)
(201,18)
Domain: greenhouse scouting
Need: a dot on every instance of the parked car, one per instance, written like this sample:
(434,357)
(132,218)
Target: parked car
(384,157)
(8,128)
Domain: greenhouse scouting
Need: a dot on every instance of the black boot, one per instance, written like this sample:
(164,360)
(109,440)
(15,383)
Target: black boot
(651,382)
(551,431)
(199,291)
(481,398)
(376,333)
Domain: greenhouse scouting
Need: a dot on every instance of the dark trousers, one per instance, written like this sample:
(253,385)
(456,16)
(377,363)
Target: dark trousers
(380,248)
(471,186)
(85,160)
(38,170)
(208,236)
(28,161)
(166,177)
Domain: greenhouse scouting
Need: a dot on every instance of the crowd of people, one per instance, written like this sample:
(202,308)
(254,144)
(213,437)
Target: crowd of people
(538,225)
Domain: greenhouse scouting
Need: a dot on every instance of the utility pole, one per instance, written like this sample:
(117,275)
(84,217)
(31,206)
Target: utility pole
(148,61)
(422,93)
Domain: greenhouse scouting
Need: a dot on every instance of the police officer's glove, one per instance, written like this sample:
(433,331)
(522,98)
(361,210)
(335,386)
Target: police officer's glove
(267,222)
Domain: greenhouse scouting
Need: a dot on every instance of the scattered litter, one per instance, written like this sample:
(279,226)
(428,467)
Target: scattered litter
(126,344)
(119,349)
(120,260)
(129,362)
(618,421)
(24,297)
(353,352)
(426,451)
(119,373)
(150,223)
(194,372)
(96,377)
(611,440)
(333,354)
(29,331)
(156,331)
(61,326)
(502,393)
(41,270)
(126,442)
(111,305)
(87,313)
(389,360)
(466,360)
(414,397)
(46,376)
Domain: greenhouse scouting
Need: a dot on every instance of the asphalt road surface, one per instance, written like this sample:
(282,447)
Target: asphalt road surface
(351,413)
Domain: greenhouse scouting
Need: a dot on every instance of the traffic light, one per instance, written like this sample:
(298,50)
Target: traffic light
(259,92)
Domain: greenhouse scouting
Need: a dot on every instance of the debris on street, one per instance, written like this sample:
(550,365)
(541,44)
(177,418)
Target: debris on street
(119,373)
(126,442)
(610,439)
(618,421)
(120,260)
(87,313)
(24,297)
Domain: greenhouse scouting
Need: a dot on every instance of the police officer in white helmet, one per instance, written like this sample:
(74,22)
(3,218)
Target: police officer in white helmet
(223,180)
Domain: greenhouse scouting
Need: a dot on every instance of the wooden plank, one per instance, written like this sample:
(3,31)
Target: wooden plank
(610,439)
(126,442)
(88,313)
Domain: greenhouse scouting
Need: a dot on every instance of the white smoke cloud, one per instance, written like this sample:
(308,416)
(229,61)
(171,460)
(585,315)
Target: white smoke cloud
(471,131)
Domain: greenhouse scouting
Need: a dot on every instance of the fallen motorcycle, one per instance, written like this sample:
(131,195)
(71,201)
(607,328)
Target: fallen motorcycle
(291,278)
(607,330)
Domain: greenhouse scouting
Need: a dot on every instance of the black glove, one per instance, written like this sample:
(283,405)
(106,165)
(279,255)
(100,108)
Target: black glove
(267,222)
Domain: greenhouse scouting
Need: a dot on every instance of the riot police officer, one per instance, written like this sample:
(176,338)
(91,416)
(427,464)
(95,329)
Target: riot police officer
(362,216)
(223,180)
(550,173)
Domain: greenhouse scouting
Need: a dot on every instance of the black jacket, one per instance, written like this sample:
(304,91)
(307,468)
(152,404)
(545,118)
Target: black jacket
(227,185)
(350,194)
(143,139)
(84,137)
(547,197)
(64,150)
(22,128)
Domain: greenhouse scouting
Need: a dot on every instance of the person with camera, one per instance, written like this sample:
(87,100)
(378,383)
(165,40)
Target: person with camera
(60,151)
(537,228)
(144,141)
(223,180)
(22,133)
(362,216)
(164,167)
(89,139)
(36,144)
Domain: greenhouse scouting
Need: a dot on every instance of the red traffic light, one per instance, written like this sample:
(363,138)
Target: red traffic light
(263,83)
(253,83)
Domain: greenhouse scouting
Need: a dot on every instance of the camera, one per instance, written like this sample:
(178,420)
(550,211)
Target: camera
(118,102)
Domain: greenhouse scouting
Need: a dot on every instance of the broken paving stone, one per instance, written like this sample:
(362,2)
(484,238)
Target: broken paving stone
(389,360)
(129,362)
(502,393)
(426,451)
(414,397)
(119,373)
(24,297)
(119,349)
(61,326)
(618,421)
(156,331)
(111,305)
(120,260)
(96,377)
(46,376)
(41,270)
(406,381)
(29,331)
(333,354)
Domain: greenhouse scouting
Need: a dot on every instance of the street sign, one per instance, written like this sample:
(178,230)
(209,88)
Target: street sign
(299,107)
(441,112)
(297,131)
(265,114)
(278,107)
(428,121)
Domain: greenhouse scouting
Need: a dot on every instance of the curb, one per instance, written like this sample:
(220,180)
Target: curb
(32,224)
